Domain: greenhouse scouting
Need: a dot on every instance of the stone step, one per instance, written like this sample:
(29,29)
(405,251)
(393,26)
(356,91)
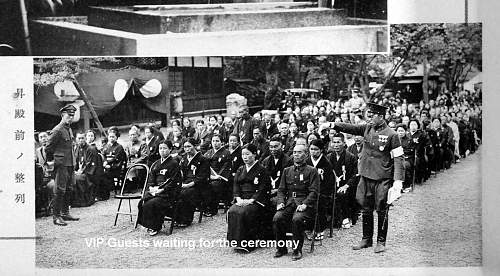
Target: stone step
(161,19)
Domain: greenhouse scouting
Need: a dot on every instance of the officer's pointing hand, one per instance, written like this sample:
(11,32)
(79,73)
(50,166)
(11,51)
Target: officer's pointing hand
(280,206)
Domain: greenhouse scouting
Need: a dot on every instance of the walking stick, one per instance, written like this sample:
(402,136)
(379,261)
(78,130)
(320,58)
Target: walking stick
(316,218)
(333,204)
(414,171)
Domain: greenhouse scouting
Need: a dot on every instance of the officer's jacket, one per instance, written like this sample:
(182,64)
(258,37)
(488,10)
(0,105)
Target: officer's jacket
(196,170)
(299,185)
(275,170)
(60,146)
(220,161)
(381,157)
(167,176)
(254,184)
(326,176)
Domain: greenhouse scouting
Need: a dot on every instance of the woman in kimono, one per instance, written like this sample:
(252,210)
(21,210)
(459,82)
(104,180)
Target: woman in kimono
(115,159)
(235,160)
(251,189)
(318,160)
(162,190)
(196,172)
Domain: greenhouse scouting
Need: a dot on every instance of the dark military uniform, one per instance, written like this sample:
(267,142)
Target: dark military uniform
(380,164)
(165,175)
(245,222)
(60,150)
(299,185)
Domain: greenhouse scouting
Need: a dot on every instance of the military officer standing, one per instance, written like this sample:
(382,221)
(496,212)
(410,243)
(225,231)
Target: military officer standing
(297,196)
(59,151)
(380,167)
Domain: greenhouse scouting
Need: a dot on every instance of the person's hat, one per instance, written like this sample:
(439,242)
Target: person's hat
(376,108)
(70,109)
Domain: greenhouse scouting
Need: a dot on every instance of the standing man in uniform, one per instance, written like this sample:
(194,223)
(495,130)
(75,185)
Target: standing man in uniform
(380,167)
(297,196)
(59,152)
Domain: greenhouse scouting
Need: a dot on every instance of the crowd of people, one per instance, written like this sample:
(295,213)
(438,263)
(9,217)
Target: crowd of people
(302,171)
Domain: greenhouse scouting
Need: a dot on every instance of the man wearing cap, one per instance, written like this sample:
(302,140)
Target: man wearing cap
(380,167)
(59,151)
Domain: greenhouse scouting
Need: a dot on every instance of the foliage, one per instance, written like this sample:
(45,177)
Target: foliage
(48,71)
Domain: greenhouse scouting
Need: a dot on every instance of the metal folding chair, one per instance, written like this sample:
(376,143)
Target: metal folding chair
(130,196)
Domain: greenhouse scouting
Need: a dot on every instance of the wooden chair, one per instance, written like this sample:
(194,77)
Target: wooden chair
(130,196)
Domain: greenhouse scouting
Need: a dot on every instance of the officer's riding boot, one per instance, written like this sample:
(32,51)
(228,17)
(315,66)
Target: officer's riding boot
(383,222)
(65,208)
(58,198)
(367,240)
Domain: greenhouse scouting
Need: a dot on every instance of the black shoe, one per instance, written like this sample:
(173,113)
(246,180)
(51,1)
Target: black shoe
(280,253)
(69,217)
(297,255)
(363,244)
(59,221)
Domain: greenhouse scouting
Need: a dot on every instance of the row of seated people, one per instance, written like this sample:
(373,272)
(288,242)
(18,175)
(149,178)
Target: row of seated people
(256,189)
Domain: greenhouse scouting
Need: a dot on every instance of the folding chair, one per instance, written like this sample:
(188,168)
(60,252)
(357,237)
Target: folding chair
(130,196)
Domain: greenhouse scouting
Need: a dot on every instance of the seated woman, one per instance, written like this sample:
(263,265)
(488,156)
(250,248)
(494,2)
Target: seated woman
(196,172)
(163,188)
(251,190)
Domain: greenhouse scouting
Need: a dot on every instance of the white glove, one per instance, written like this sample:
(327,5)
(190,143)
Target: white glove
(394,192)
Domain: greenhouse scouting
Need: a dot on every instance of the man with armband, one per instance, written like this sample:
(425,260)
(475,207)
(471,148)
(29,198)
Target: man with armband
(380,168)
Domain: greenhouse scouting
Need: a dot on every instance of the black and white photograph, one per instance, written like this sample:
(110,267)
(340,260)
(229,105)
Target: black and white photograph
(186,27)
(298,161)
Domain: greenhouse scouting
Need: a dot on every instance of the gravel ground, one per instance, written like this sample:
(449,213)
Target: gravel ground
(439,224)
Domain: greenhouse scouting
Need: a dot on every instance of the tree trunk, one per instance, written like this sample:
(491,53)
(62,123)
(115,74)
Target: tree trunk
(425,81)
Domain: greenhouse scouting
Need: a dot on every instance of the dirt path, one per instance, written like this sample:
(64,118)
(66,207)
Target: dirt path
(437,225)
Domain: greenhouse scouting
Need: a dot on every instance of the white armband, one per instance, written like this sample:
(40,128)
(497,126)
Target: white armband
(397,152)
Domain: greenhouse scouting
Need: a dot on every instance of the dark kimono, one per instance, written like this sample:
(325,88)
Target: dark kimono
(165,175)
(219,188)
(89,162)
(115,156)
(275,171)
(326,186)
(198,171)
(419,141)
(236,162)
(244,222)
(346,168)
